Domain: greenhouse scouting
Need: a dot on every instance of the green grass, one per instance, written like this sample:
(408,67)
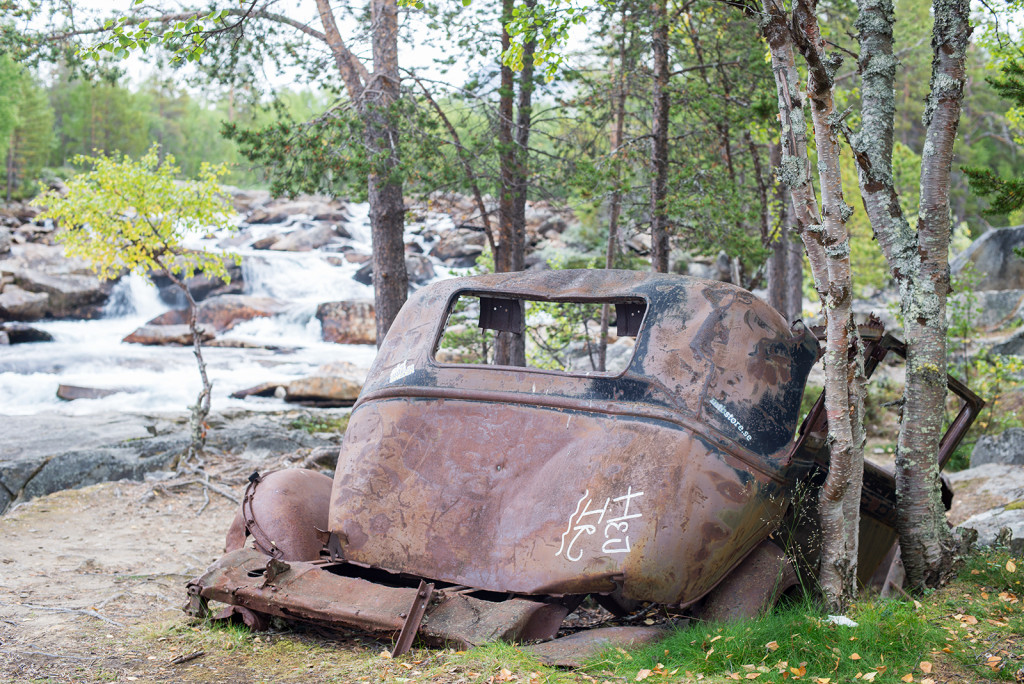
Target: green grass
(797,641)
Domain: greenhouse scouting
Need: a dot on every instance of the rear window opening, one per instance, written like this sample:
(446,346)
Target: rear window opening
(560,336)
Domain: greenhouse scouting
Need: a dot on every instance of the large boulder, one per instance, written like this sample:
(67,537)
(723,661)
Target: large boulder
(201,285)
(315,208)
(334,384)
(223,312)
(419,268)
(69,295)
(17,304)
(994,261)
(19,333)
(460,247)
(1011,346)
(995,308)
(990,524)
(353,322)
(1006,448)
(174,335)
(305,239)
(983,488)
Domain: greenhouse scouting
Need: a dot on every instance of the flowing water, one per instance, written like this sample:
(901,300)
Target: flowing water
(153,379)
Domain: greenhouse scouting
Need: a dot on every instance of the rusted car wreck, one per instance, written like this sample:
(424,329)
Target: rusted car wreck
(475,502)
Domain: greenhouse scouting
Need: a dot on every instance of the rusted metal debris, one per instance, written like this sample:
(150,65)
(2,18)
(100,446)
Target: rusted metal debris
(478,502)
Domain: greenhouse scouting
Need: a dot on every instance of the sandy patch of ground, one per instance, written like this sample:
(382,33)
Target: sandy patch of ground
(82,570)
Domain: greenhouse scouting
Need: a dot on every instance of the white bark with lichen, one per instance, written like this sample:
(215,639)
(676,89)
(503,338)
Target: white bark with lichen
(828,247)
(917,261)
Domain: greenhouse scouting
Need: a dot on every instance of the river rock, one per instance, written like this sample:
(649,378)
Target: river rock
(994,308)
(71,392)
(245,200)
(200,285)
(279,211)
(334,384)
(176,335)
(305,239)
(20,305)
(69,295)
(418,268)
(994,261)
(5,240)
(352,322)
(1006,448)
(1012,346)
(990,523)
(264,389)
(982,488)
(223,312)
(19,333)
(459,248)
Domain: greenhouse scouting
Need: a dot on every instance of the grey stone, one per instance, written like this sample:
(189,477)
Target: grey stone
(176,335)
(5,240)
(419,268)
(983,488)
(994,308)
(1012,346)
(305,239)
(459,248)
(1006,448)
(70,295)
(19,333)
(352,322)
(75,469)
(200,285)
(21,305)
(994,260)
(989,524)
(71,392)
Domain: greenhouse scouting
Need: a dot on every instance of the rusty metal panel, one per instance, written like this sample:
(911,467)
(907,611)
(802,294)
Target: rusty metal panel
(310,592)
(537,482)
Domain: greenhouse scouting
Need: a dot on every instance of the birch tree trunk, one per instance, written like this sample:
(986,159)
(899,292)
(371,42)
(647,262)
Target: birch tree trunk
(917,261)
(827,242)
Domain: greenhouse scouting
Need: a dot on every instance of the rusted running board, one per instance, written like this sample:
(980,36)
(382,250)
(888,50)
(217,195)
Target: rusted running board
(306,591)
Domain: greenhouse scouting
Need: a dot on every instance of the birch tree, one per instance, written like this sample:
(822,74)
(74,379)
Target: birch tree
(918,262)
(827,243)
(917,258)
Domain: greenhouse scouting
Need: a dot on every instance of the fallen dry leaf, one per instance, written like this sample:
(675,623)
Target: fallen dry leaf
(735,675)
(772,645)
(997,623)
(854,656)
(926,667)
(642,675)
(753,675)
(969,619)
(1011,566)
(927,680)
(907,678)
(870,676)
(798,671)
(993,662)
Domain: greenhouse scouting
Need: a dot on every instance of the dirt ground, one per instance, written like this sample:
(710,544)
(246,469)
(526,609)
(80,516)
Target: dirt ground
(83,573)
